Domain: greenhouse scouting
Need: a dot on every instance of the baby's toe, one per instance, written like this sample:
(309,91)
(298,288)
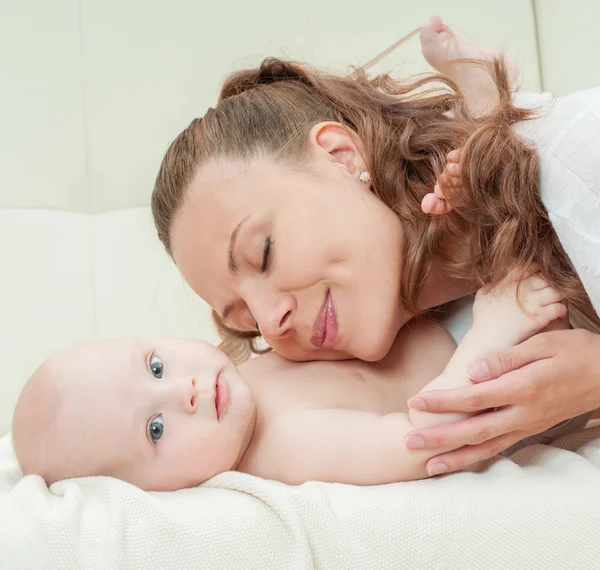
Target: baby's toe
(453,169)
(454,155)
(433,205)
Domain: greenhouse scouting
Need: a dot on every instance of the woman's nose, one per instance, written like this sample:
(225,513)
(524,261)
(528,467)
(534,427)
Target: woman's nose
(274,315)
(185,394)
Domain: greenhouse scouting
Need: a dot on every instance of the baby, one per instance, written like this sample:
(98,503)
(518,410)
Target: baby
(165,414)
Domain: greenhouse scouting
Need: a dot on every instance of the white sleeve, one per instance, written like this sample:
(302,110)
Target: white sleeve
(568,141)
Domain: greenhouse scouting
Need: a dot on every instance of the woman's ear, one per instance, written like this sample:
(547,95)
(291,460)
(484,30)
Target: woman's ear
(339,143)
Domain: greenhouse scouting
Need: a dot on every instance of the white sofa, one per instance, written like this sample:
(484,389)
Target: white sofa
(92,94)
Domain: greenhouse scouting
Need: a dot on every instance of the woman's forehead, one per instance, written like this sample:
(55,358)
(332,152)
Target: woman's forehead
(232,182)
(217,176)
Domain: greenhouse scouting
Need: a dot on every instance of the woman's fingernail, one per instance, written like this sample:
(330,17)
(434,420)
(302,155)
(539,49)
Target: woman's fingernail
(437,469)
(414,442)
(478,369)
(417,404)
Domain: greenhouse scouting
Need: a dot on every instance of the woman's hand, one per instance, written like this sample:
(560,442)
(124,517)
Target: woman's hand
(552,377)
(436,203)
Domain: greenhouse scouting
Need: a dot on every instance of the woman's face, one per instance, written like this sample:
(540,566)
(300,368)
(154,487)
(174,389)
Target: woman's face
(308,254)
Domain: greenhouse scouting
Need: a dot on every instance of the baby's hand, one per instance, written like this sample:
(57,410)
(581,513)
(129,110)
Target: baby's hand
(436,203)
(498,313)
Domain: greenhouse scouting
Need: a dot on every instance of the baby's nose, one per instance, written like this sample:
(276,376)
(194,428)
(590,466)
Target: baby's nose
(187,394)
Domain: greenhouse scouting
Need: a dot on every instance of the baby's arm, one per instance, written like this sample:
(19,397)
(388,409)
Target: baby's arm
(362,448)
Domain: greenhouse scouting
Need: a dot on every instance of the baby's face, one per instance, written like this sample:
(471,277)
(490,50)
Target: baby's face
(163,414)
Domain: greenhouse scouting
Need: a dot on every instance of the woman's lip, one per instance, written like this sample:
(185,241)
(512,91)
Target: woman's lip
(221,396)
(325,329)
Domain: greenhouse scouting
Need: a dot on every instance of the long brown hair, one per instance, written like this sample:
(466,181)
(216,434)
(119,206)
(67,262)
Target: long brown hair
(406,129)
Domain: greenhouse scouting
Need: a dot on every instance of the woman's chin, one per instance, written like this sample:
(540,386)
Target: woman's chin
(371,351)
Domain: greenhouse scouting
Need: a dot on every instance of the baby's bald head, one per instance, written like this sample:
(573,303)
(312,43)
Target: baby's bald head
(52,431)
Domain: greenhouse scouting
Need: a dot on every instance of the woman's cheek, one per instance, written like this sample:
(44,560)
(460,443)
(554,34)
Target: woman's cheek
(299,266)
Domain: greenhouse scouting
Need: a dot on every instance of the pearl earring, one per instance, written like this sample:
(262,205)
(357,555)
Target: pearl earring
(364,176)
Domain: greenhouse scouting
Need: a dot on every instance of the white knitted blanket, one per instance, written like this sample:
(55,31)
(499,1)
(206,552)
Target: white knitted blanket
(540,509)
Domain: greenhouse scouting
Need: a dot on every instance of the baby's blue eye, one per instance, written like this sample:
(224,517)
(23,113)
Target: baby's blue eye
(156,366)
(156,428)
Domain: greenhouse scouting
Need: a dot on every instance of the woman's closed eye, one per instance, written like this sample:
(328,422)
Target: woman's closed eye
(267,254)
(237,315)
(156,428)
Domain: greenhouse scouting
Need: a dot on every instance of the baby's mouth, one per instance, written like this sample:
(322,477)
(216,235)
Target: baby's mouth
(221,396)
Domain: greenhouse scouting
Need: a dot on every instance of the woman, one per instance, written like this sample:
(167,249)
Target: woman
(294,209)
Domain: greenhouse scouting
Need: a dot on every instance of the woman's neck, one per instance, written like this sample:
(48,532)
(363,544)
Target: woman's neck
(440,287)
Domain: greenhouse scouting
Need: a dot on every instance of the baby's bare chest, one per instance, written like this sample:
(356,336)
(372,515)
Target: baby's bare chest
(352,385)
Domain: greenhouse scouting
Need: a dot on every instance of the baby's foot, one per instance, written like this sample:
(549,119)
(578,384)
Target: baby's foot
(436,203)
(440,46)
(497,312)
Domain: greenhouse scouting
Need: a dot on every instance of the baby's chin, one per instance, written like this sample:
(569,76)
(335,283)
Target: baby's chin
(161,477)
(168,486)
(169,481)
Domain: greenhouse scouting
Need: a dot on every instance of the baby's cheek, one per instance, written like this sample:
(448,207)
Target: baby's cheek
(216,456)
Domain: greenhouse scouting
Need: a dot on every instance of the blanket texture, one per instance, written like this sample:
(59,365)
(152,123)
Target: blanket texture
(538,509)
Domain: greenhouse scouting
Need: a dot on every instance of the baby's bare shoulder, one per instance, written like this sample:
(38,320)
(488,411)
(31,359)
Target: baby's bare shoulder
(424,330)
(423,347)
(262,365)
